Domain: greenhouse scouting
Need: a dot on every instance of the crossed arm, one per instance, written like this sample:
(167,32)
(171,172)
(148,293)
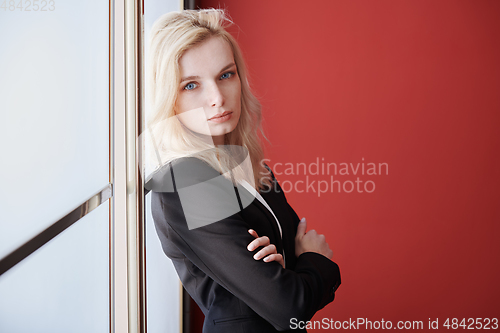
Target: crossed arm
(220,251)
(304,242)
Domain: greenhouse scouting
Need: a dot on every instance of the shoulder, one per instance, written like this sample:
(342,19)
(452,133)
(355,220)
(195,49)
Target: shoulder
(192,188)
(180,173)
(267,167)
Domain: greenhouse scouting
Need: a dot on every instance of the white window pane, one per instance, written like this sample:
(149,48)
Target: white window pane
(64,286)
(54,133)
(164,290)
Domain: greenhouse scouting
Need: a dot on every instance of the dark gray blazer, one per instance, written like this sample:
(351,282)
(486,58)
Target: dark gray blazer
(236,292)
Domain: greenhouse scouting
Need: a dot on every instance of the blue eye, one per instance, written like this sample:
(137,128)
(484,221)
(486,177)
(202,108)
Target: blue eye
(226,75)
(190,86)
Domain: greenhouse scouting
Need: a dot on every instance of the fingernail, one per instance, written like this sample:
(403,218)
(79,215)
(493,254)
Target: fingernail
(266,259)
(303,219)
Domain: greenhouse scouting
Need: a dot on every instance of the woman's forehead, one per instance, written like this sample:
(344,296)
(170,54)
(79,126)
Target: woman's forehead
(208,57)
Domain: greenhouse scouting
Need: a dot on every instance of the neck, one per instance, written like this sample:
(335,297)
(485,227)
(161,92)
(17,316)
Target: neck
(218,140)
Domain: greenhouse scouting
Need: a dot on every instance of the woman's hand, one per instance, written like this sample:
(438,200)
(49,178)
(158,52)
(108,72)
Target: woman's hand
(268,252)
(310,241)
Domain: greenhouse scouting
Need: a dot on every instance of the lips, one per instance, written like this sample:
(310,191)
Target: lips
(220,115)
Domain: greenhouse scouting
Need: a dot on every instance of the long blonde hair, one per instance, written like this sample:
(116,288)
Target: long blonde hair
(172,35)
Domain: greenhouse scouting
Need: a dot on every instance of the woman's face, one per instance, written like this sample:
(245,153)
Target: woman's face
(209,100)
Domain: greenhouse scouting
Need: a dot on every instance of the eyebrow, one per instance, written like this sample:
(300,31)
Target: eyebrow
(194,77)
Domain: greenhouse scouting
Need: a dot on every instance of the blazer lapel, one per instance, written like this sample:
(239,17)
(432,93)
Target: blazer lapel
(269,198)
(244,193)
(279,206)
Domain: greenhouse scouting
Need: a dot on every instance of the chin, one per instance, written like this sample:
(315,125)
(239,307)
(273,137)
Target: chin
(224,129)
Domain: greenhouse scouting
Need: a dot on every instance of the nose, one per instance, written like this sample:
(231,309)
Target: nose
(215,96)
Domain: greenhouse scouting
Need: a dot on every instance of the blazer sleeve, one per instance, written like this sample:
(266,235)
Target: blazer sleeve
(311,256)
(220,250)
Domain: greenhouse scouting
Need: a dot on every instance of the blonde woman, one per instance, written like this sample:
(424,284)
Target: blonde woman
(221,216)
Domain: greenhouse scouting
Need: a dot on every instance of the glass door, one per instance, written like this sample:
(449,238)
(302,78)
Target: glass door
(55,175)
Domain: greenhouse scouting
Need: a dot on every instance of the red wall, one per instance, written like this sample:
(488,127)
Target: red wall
(414,84)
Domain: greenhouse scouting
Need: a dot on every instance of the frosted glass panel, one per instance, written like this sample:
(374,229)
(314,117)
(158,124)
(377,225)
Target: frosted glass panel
(54,134)
(62,287)
(163,286)
(164,290)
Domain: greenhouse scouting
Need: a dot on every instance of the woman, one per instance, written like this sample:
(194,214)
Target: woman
(249,264)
